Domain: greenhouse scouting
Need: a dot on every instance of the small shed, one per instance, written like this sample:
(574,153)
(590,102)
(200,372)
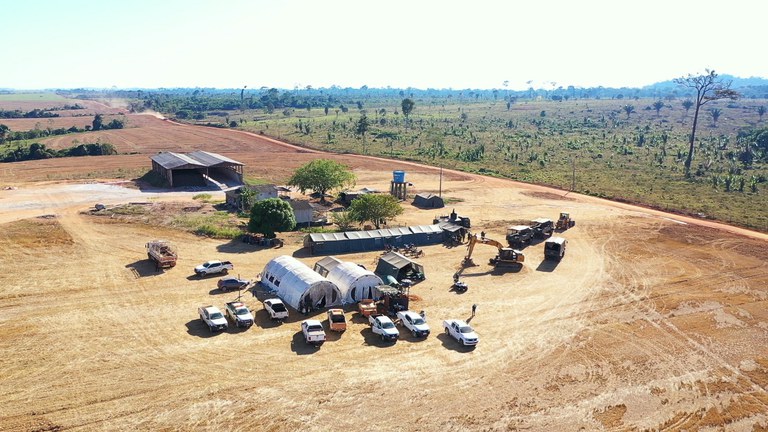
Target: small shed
(298,286)
(303,211)
(355,282)
(399,267)
(234,197)
(428,200)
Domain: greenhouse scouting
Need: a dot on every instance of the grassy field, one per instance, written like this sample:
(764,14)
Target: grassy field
(592,146)
(32,96)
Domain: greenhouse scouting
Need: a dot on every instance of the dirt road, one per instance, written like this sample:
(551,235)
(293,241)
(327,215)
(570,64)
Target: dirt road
(648,323)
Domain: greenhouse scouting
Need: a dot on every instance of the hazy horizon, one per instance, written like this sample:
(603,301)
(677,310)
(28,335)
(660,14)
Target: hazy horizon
(426,44)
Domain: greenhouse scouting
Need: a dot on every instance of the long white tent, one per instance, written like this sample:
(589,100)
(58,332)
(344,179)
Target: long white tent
(355,282)
(298,285)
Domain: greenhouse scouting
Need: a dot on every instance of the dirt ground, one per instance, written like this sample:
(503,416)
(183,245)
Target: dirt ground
(650,322)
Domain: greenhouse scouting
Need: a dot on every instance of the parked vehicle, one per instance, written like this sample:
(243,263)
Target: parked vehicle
(213,267)
(564,222)
(461,331)
(384,327)
(367,307)
(276,309)
(313,332)
(162,253)
(554,248)
(232,283)
(460,286)
(336,320)
(212,317)
(542,227)
(414,322)
(239,314)
(519,236)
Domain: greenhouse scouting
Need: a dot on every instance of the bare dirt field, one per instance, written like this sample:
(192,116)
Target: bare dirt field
(651,321)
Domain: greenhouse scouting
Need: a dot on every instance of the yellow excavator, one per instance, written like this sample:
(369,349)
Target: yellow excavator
(506,256)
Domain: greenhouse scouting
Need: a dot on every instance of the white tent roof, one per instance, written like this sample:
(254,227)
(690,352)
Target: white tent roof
(355,282)
(297,285)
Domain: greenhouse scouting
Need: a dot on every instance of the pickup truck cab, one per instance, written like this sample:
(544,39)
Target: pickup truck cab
(461,331)
(212,317)
(336,320)
(239,314)
(276,309)
(384,327)
(313,332)
(213,267)
(414,322)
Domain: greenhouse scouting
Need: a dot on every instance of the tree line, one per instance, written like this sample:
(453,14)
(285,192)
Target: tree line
(6,134)
(36,151)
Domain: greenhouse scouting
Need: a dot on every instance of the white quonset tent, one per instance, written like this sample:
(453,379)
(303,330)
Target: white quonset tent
(299,286)
(355,282)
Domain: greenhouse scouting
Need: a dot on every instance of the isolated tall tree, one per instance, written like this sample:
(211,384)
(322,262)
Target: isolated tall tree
(376,208)
(629,109)
(270,216)
(98,122)
(407,105)
(715,113)
(760,112)
(658,105)
(687,104)
(322,175)
(361,128)
(708,87)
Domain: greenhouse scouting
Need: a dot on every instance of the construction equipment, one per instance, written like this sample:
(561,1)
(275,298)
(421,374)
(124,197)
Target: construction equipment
(506,256)
(542,227)
(519,236)
(564,222)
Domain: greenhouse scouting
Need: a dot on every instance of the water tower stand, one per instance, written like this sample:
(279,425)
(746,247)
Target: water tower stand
(399,190)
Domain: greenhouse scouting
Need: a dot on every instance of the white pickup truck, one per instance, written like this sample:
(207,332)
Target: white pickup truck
(212,317)
(384,327)
(239,314)
(414,322)
(313,332)
(213,267)
(461,331)
(276,309)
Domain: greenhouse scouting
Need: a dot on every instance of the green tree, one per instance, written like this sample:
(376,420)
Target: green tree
(5,130)
(687,104)
(658,105)
(629,109)
(407,106)
(708,87)
(715,113)
(321,176)
(270,216)
(376,208)
(361,128)
(98,122)
(760,112)
(343,220)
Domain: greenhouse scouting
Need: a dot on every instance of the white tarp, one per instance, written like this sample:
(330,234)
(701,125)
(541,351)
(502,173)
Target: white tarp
(298,285)
(355,282)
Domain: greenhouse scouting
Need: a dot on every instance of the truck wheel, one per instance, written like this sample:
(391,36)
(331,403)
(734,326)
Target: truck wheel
(225,271)
(414,334)
(447,332)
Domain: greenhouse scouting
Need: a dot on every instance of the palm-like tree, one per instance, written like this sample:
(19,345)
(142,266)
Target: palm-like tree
(629,109)
(658,105)
(715,113)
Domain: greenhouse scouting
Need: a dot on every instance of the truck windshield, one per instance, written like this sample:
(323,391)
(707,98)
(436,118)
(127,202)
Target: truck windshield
(242,311)
(466,329)
(418,321)
(216,315)
(387,324)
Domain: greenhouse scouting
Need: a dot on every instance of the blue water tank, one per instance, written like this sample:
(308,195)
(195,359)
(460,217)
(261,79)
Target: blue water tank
(398,176)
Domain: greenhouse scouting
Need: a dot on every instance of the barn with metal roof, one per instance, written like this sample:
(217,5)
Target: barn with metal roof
(199,168)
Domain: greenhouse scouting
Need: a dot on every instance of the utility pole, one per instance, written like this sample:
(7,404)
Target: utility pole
(440,193)
(573,174)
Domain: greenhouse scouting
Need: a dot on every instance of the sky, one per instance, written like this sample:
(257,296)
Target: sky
(476,44)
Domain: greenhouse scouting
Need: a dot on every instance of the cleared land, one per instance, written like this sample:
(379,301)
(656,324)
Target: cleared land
(650,321)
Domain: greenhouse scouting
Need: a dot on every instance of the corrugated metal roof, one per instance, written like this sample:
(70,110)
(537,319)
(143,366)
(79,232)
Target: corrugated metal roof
(429,229)
(171,160)
(212,159)
(325,237)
